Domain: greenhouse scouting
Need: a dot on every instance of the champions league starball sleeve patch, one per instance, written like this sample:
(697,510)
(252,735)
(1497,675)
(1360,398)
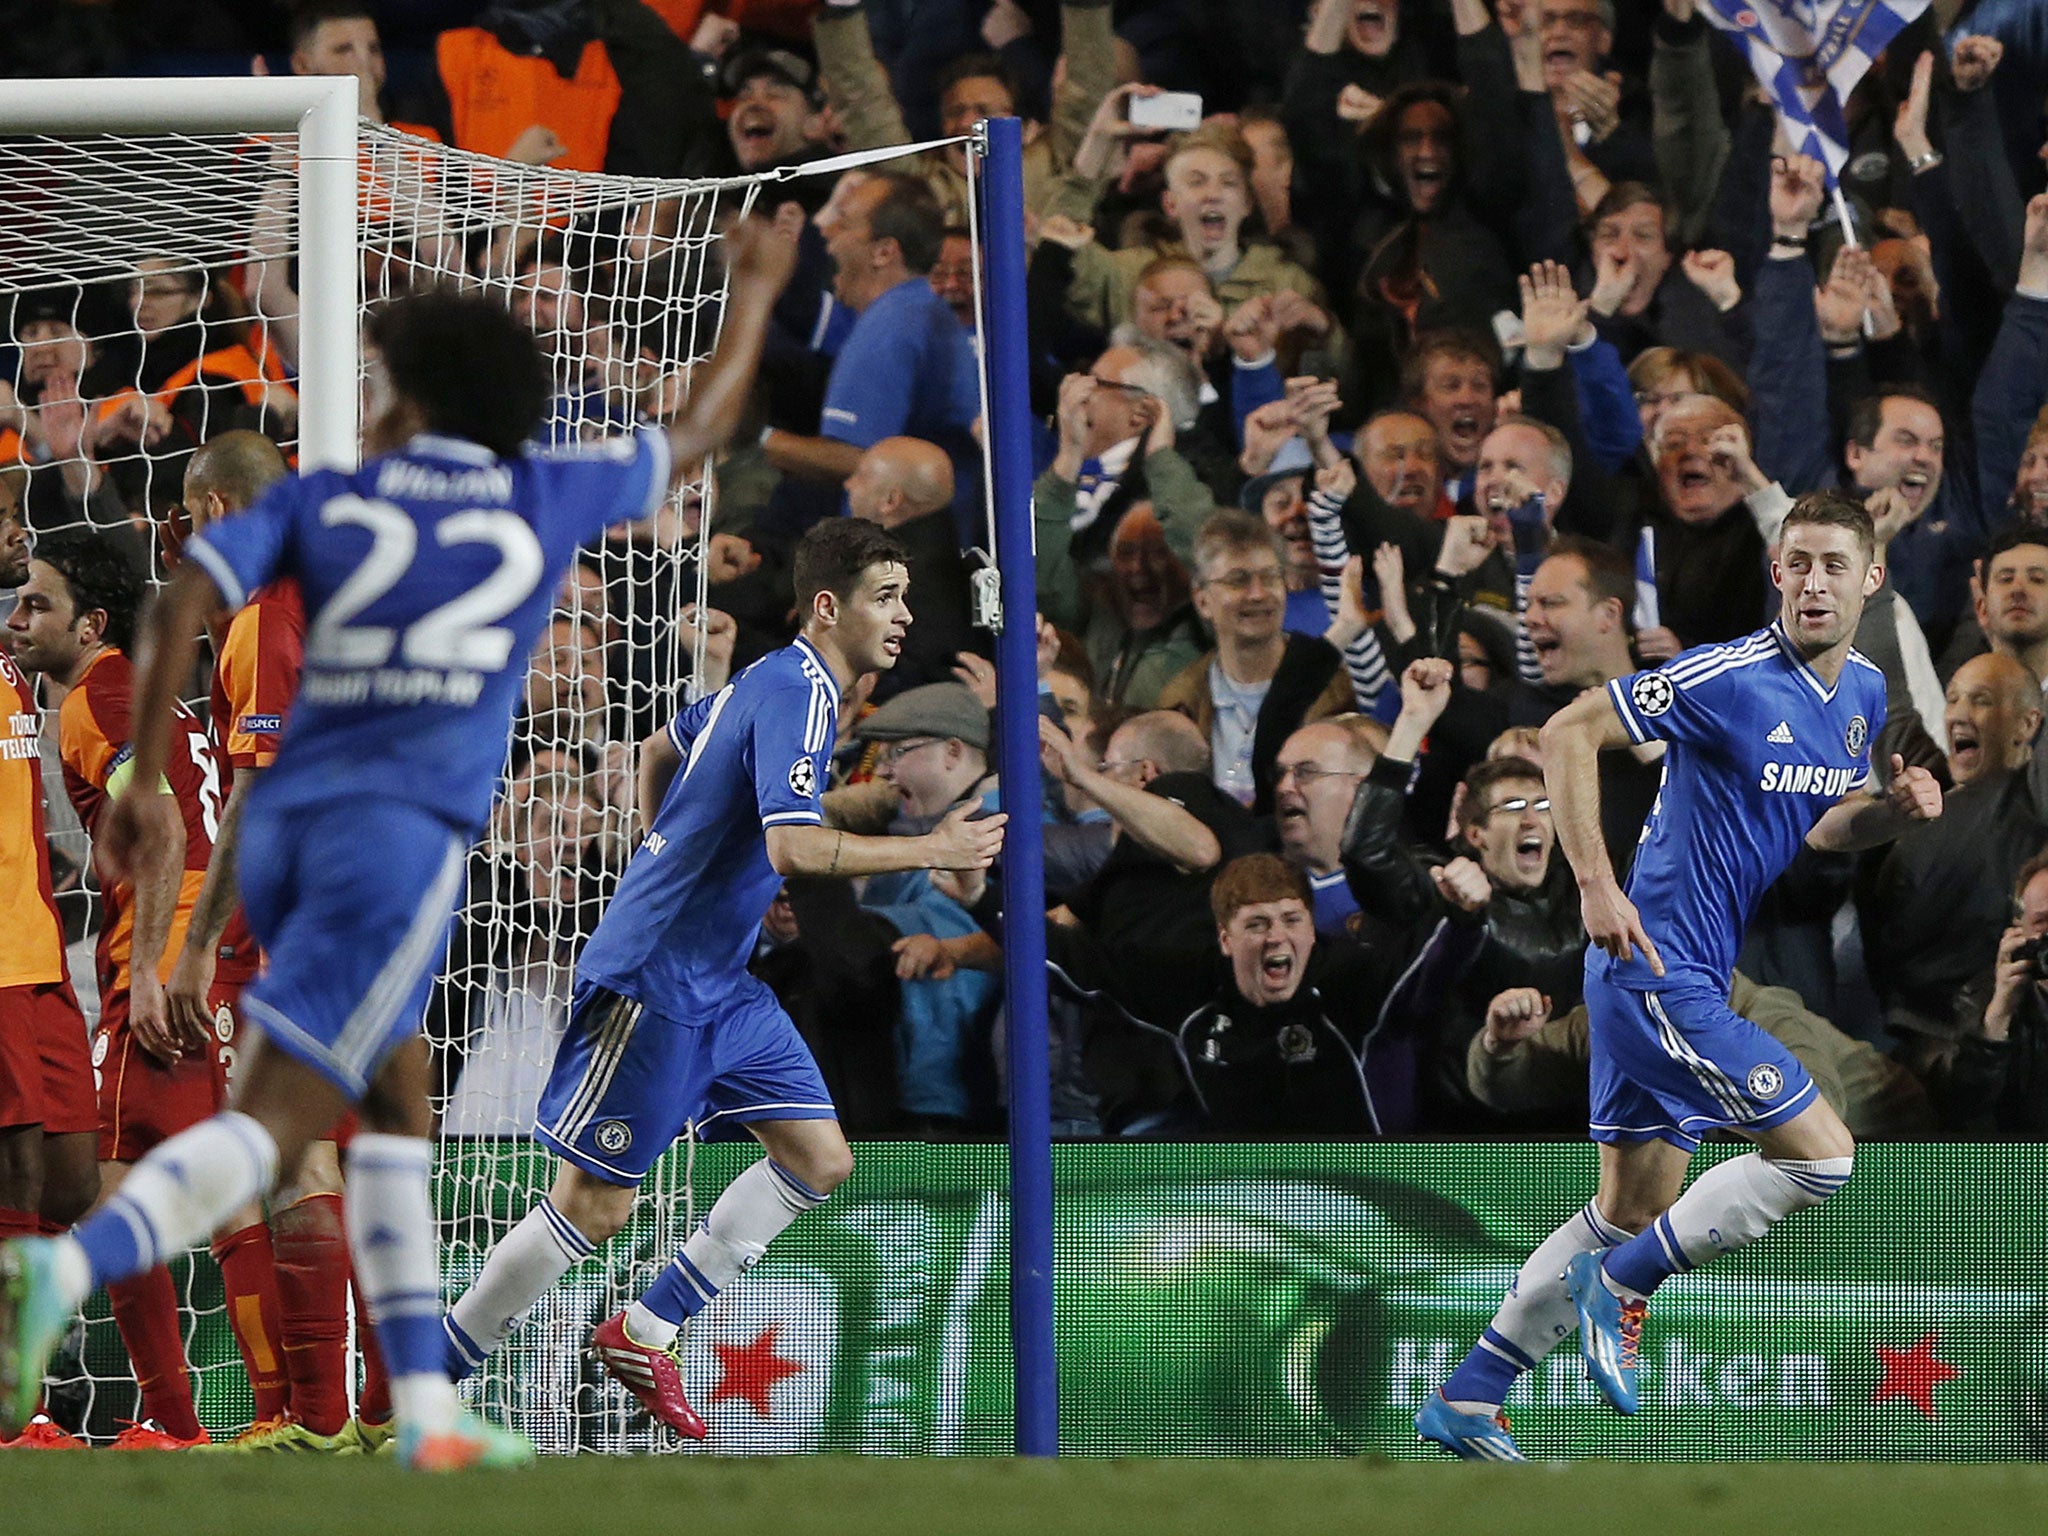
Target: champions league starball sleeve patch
(1652,694)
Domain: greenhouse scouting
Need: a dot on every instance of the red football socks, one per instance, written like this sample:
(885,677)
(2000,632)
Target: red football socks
(249,1276)
(146,1311)
(312,1285)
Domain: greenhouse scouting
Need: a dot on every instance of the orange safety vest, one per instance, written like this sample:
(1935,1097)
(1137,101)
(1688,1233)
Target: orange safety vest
(494,96)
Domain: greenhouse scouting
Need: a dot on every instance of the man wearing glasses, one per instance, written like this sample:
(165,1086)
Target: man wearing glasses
(1260,684)
(1496,909)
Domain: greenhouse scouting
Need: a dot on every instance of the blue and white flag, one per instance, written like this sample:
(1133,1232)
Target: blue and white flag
(1809,54)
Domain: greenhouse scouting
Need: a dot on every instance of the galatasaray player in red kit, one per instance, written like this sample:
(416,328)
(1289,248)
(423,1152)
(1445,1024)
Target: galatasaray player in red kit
(73,621)
(48,1115)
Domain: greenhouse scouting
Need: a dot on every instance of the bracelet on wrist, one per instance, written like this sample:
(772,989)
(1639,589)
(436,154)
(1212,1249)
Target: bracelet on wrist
(1927,160)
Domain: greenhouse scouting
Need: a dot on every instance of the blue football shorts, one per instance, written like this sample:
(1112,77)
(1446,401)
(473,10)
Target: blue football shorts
(1677,1063)
(351,902)
(627,1081)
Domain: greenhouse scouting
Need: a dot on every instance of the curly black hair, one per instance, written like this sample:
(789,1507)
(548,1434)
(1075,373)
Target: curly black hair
(473,370)
(99,576)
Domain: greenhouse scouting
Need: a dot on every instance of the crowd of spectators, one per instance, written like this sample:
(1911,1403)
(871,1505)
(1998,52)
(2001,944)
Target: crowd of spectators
(1467,355)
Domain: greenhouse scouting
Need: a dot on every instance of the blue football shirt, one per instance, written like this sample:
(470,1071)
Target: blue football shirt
(1758,748)
(679,931)
(428,575)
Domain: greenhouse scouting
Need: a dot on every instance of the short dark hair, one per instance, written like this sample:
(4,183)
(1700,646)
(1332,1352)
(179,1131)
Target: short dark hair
(2012,536)
(1464,346)
(1482,777)
(909,213)
(832,556)
(1253,880)
(1833,509)
(473,370)
(98,576)
(1608,572)
(1624,195)
(308,16)
(978,66)
(1866,416)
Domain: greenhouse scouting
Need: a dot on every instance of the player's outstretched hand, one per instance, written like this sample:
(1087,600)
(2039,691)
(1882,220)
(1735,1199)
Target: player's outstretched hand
(138,822)
(763,251)
(961,842)
(1915,793)
(1613,923)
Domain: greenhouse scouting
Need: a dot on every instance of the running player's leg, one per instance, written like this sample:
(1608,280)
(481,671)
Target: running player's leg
(1643,1156)
(1638,1179)
(1799,1163)
(581,1211)
(768,1081)
(623,1085)
(1712,1068)
(1707,1068)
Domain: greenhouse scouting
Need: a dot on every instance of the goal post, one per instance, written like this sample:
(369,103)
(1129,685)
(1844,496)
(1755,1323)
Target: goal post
(321,111)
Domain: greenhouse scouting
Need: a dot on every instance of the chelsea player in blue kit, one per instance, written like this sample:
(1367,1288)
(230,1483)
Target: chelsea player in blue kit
(1766,744)
(668,1030)
(427,575)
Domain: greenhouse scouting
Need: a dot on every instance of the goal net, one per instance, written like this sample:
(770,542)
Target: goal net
(156,288)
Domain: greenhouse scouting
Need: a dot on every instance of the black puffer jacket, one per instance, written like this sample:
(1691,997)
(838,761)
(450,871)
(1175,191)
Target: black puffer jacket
(1531,938)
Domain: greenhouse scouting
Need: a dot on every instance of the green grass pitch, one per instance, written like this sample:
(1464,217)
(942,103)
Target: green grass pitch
(833,1496)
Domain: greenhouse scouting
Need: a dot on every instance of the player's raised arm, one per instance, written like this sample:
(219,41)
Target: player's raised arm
(761,256)
(140,819)
(1860,820)
(963,840)
(1573,740)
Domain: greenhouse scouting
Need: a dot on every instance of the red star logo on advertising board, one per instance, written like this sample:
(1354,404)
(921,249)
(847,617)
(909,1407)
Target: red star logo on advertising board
(1912,1374)
(751,1371)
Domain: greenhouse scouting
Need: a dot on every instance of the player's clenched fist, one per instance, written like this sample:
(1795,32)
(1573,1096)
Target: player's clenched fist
(961,842)
(1915,793)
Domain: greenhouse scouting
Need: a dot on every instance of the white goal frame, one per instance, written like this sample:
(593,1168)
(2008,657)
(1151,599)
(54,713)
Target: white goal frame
(321,110)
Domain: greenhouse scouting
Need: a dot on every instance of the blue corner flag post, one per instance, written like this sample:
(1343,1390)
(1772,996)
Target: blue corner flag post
(1005,336)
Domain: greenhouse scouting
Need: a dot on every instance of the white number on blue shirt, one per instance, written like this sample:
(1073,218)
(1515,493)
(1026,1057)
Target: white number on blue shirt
(460,634)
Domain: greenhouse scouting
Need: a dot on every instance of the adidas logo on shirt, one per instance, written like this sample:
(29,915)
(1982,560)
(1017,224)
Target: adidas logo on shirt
(1781,737)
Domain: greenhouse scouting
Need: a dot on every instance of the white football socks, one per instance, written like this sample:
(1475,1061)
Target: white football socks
(174,1199)
(1729,1206)
(1537,1313)
(754,1210)
(523,1267)
(391,1238)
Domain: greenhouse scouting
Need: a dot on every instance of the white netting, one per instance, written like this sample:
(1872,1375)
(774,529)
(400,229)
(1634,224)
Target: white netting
(151,286)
